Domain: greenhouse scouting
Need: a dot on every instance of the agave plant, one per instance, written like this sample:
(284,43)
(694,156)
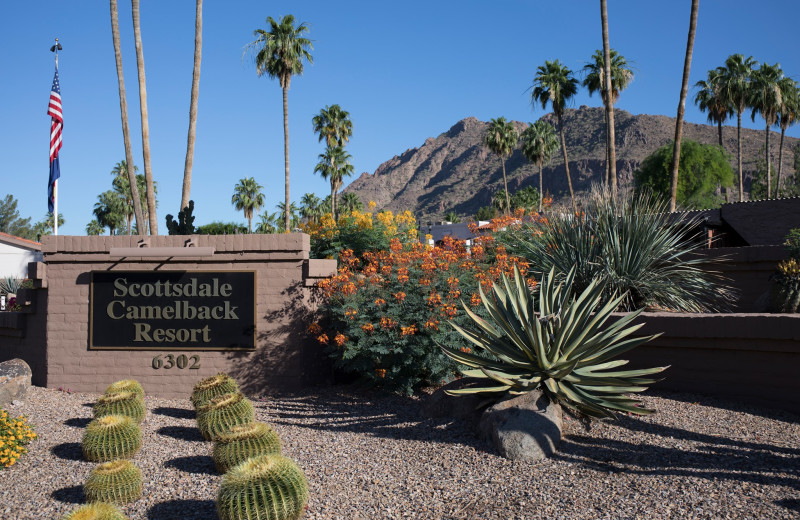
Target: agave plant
(563,348)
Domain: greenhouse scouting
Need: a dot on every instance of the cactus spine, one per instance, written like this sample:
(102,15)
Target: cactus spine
(243,442)
(126,385)
(96,511)
(222,413)
(111,437)
(210,387)
(117,482)
(120,403)
(267,487)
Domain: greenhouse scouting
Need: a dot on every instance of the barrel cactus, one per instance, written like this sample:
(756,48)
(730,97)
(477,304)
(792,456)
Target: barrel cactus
(126,385)
(96,511)
(117,482)
(120,403)
(111,437)
(267,487)
(222,413)
(210,387)
(243,442)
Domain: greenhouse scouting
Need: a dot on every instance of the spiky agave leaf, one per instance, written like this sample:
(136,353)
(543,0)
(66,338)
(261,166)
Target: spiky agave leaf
(565,348)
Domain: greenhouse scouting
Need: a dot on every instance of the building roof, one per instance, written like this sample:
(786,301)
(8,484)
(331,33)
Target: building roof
(15,241)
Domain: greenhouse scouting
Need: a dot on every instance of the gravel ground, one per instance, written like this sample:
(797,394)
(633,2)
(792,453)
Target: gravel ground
(372,456)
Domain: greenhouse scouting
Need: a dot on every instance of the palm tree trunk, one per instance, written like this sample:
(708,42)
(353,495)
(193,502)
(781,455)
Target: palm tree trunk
(609,101)
(606,175)
(687,65)
(719,133)
(286,153)
(123,108)
(148,172)
(333,200)
(566,162)
(739,153)
(198,45)
(541,193)
(780,165)
(766,153)
(505,186)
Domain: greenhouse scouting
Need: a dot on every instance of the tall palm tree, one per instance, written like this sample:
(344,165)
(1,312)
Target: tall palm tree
(539,144)
(280,53)
(765,98)
(734,87)
(593,80)
(351,202)
(334,165)
(94,228)
(555,84)
(709,99)
(293,220)
(109,211)
(268,223)
(123,187)
(687,65)
(247,197)
(501,138)
(148,172)
(310,208)
(609,100)
(123,108)
(788,115)
(198,47)
(334,125)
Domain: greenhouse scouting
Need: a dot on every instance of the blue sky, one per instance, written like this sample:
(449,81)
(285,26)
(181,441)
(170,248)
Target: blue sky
(405,71)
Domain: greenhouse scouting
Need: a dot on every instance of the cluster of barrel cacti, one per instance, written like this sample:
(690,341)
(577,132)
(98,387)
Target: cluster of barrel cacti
(258,482)
(111,439)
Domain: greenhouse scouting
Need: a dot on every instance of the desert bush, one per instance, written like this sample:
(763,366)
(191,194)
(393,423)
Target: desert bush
(387,310)
(15,434)
(632,245)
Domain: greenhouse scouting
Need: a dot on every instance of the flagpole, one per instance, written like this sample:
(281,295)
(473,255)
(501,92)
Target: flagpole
(55,48)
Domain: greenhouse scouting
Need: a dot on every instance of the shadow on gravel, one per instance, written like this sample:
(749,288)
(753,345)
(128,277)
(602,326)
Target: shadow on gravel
(183,509)
(380,415)
(184,433)
(710,457)
(78,422)
(69,495)
(68,451)
(792,504)
(193,464)
(177,413)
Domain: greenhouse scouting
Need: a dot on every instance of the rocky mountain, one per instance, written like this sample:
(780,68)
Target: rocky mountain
(454,171)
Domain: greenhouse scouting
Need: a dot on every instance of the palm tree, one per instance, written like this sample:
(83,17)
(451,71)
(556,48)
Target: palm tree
(247,197)
(109,211)
(294,220)
(123,108)
(555,84)
(148,172)
(787,116)
(709,99)
(734,87)
(609,100)
(269,223)
(198,46)
(351,202)
(310,208)
(765,98)
(333,165)
(687,65)
(501,138)
(280,53)
(539,144)
(334,125)
(94,227)
(123,187)
(621,76)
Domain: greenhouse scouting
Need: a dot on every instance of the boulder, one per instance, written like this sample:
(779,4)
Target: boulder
(525,427)
(441,405)
(15,379)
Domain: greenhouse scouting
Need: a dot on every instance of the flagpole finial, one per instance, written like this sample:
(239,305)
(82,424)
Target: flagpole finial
(55,48)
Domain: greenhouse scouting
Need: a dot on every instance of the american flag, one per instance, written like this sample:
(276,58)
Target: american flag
(56,123)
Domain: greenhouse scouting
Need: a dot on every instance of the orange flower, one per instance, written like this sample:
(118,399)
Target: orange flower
(475,300)
(379,302)
(380,372)
(434,299)
(408,331)
(388,323)
(400,296)
(340,339)
(323,339)
(466,350)
(432,324)
(314,328)
(351,313)
(368,328)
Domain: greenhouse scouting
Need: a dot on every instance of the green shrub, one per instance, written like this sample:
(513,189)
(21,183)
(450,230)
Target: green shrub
(267,487)
(111,437)
(96,511)
(222,413)
(792,243)
(117,482)
(632,245)
(563,349)
(243,442)
(120,403)
(15,434)
(387,310)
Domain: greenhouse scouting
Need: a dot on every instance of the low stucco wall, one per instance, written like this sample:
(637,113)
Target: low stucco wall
(284,358)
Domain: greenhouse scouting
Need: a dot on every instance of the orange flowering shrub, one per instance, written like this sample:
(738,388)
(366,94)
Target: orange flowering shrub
(388,309)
